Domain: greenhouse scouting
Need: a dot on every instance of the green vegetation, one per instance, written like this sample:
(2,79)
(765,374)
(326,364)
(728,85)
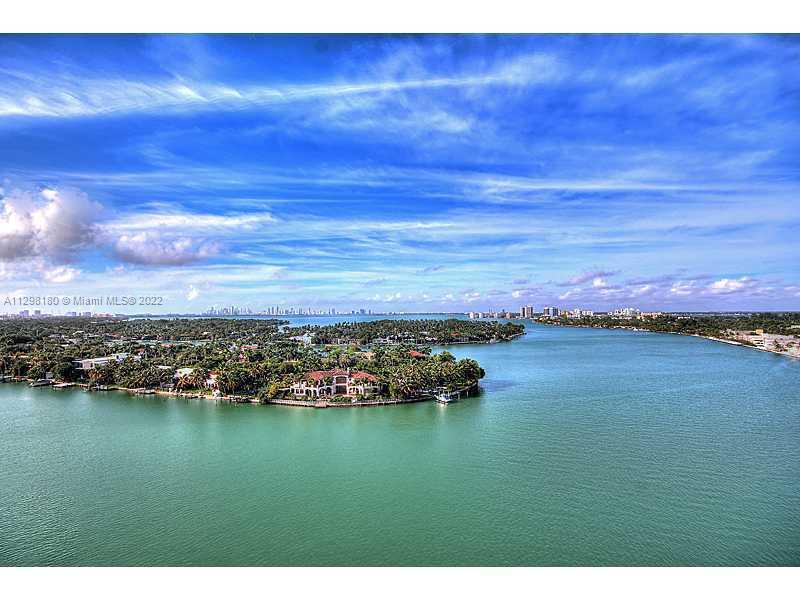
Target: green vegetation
(423,331)
(691,324)
(251,357)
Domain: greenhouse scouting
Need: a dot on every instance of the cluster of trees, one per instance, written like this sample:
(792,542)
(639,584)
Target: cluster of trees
(247,356)
(34,347)
(699,324)
(421,331)
(411,378)
(403,370)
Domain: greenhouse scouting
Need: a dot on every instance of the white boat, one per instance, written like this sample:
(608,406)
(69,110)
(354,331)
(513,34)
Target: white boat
(42,382)
(445,398)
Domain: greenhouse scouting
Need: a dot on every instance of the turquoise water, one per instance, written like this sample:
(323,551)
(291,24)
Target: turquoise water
(587,447)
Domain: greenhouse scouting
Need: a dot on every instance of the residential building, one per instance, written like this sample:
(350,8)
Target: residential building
(335,382)
(626,313)
(87,364)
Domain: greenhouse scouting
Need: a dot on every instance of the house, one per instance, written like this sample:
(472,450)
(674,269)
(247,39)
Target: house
(305,338)
(87,364)
(211,382)
(336,382)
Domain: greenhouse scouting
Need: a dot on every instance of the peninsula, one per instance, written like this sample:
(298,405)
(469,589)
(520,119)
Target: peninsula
(250,360)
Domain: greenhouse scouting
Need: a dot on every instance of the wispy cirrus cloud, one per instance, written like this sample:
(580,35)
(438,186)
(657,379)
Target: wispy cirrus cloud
(70,96)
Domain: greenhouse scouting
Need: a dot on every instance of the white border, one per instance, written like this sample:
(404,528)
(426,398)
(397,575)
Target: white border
(424,16)
(400,584)
(359,16)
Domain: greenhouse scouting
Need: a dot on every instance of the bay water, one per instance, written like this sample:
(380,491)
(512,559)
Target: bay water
(585,447)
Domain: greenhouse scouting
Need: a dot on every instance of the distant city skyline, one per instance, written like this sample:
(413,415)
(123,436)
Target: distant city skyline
(401,173)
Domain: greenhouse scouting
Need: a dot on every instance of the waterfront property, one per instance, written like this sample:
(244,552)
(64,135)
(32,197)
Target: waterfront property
(336,382)
(87,364)
(758,338)
(250,360)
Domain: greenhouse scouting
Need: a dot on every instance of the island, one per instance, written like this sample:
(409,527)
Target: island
(266,361)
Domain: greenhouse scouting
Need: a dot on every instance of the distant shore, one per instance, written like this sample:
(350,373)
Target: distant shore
(697,335)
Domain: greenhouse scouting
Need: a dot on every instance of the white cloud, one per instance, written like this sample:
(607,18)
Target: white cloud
(524,293)
(52,224)
(60,274)
(470,297)
(41,232)
(586,276)
(680,288)
(728,286)
(165,217)
(570,294)
(151,249)
(193,293)
(642,290)
(530,69)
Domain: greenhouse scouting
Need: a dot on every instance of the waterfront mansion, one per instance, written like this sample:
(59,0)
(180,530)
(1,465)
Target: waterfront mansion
(336,382)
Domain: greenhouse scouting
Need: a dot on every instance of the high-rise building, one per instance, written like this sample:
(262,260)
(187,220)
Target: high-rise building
(550,311)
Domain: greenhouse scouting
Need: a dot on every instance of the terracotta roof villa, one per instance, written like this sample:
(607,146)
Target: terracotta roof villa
(336,382)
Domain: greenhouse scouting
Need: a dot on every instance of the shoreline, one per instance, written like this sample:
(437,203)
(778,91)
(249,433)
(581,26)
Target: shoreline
(476,343)
(696,335)
(470,390)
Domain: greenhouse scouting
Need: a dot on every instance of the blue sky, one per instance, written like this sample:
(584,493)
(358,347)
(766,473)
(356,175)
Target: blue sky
(424,173)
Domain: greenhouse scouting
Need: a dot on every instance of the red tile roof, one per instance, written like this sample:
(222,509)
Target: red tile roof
(318,375)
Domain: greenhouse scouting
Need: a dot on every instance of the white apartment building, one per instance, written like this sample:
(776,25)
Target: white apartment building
(87,364)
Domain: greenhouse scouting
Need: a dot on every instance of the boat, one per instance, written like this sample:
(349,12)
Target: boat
(63,385)
(42,382)
(446,398)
